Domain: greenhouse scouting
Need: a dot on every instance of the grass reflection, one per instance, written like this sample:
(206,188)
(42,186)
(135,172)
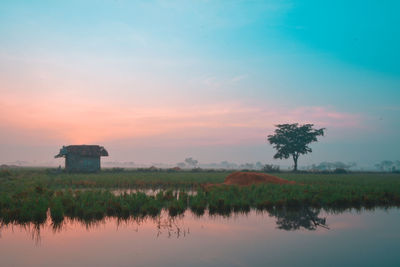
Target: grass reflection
(37,204)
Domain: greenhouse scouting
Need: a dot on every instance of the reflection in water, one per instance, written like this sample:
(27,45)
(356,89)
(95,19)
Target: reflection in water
(295,219)
(166,225)
(33,230)
(253,238)
(174,226)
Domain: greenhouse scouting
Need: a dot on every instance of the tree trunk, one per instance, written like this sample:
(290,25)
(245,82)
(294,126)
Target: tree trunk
(295,158)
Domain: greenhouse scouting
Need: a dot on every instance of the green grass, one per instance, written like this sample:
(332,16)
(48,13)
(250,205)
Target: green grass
(27,195)
(22,178)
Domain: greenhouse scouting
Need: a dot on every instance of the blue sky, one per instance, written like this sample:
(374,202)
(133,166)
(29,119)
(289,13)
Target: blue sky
(199,78)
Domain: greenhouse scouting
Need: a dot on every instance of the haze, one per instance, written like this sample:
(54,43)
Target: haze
(159,81)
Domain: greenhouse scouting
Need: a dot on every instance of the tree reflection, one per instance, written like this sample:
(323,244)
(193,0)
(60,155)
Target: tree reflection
(299,218)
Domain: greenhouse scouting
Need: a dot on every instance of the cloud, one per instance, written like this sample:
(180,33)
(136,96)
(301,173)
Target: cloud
(85,121)
(239,78)
(325,117)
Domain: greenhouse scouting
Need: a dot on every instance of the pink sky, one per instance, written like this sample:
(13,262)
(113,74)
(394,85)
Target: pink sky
(162,81)
(83,121)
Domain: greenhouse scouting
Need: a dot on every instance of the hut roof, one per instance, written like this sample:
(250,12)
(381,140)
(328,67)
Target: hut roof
(83,150)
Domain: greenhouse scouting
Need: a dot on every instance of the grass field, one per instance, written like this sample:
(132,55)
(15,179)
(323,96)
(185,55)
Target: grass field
(26,177)
(26,195)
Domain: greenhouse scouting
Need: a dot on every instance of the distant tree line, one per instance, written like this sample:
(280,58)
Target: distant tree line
(331,166)
(193,164)
(388,166)
(190,163)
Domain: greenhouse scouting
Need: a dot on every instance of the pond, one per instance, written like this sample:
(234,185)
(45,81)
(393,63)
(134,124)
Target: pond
(305,237)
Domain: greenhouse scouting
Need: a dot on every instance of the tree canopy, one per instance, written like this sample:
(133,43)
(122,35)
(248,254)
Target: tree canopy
(292,140)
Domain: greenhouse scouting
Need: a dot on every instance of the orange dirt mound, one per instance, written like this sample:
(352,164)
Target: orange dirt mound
(249,178)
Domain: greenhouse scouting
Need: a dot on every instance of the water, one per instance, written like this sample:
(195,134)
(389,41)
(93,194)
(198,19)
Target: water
(281,238)
(149,191)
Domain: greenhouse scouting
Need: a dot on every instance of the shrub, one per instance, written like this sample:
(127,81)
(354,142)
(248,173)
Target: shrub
(5,173)
(271,168)
(340,171)
(114,170)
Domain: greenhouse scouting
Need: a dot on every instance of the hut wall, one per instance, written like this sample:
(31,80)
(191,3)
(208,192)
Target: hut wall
(77,163)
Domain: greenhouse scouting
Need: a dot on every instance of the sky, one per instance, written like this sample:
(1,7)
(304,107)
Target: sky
(159,81)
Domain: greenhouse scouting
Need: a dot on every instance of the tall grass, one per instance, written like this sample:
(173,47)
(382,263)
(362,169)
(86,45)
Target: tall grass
(29,195)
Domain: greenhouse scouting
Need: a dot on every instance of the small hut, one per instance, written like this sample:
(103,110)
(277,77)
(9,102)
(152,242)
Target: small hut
(82,158)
